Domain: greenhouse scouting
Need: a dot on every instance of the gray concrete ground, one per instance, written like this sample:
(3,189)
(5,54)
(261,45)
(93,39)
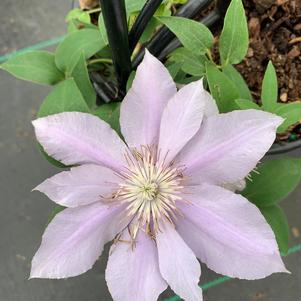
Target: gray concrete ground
(23,214)
(24,22)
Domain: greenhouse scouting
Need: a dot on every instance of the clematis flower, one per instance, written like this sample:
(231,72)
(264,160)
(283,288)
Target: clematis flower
(160,195)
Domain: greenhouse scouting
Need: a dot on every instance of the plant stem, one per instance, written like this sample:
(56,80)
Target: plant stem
(114,15)
(141,22)
(164,36)
(101,60)
(208,52)
(95,10)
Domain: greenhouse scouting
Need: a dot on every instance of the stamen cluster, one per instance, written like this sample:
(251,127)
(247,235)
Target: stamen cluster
(151,189)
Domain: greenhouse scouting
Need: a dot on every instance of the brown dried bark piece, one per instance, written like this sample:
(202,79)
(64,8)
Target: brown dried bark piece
(297,27)
(295,52)
(254,27)
(283,97)
(88,4)
(281,2)
(295,232)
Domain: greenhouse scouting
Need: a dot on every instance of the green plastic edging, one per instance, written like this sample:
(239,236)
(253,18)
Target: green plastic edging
(37,46)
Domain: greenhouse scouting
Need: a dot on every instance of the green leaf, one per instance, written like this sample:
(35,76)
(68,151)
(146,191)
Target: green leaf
(76,25)
(133,5)
(194,36)
(87,41)
(35,66)
(65,97)
(181,77)
(239,82)
(275,180)
(290,112)
(177,1)
(245,104)
(163,10)
(276,218)
(222,89)
(187,80)
(174,69)
(110,113)
(78,14)
(269,92)
(72,26)
(191,63)
(102,29)
(149,30)
(130,80)
(234,39)
(81,77)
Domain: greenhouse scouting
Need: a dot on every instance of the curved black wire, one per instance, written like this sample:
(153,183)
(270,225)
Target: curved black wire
(141,22)
(106,91)
(164,36)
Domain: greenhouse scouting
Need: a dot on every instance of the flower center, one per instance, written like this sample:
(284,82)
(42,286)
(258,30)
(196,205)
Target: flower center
(150,189)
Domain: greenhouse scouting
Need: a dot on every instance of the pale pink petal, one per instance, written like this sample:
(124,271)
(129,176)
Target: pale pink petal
(228,146)
(181,119)
(142,108)
(210,104)
(178,265)
(80,186)
(74,240)
(80,138)
(229,234)
(132,272)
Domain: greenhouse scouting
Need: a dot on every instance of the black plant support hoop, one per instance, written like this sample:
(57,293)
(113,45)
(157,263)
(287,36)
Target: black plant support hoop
(114,15)
(141,22)
(278,148)
(164,36)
